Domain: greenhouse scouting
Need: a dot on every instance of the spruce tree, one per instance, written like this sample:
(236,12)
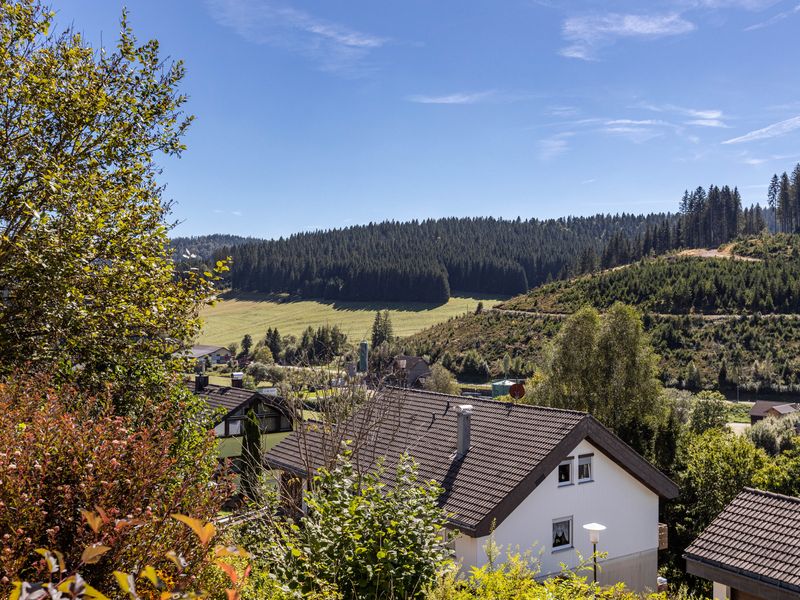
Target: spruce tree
(251,456)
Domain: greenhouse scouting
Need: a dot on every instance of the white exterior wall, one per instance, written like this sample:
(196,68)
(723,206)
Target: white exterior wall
(721,592)
(614,498)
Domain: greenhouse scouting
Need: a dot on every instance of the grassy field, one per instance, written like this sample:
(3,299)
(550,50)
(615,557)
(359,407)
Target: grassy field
(233,317)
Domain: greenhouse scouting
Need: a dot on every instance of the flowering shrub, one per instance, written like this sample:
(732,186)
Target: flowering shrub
(63,454)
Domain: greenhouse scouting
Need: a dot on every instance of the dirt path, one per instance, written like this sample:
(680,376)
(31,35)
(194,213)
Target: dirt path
(725,251)
(705,317)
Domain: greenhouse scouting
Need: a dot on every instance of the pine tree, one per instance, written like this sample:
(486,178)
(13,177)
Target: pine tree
(251,456)
(247,344)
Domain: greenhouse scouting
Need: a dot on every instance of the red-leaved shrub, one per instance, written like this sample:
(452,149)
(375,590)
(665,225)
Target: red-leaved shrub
(62,452)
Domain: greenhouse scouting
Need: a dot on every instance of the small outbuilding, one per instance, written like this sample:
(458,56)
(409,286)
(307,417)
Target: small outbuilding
(761,409)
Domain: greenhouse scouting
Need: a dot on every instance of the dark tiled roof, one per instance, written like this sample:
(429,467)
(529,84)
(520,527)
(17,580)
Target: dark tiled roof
(513,447)
(756,536)
(221,396)
(761,407)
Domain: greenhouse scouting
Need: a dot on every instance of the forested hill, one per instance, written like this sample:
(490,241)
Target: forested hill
(678,284)
(205,247)
(424,261)
(714,322)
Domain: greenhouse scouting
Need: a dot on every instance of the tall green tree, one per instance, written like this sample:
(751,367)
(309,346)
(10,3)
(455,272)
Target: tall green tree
(252,467)
(247,343)
(382,330)
(607,367)
(87,281)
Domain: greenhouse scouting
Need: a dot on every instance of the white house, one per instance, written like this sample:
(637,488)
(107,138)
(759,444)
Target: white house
(529,475)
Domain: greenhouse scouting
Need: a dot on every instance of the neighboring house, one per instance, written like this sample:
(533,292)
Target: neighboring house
(761,409)
(410,371)
(215,354)
(530,475)
(236,401)
(751,551)
(781,410)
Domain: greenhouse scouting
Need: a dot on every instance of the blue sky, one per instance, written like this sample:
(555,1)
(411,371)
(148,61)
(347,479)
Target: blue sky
(325,114)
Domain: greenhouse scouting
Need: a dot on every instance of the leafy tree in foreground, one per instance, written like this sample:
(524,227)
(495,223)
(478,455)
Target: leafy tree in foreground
(366,538)
(62,451)
(87,282)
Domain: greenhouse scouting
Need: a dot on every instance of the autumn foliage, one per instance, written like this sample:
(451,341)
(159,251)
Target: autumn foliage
(68,467)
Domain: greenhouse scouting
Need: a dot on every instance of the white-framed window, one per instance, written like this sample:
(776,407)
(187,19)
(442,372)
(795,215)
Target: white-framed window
(562,533)
(565,472)
(585,472)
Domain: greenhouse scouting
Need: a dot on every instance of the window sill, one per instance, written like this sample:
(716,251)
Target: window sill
(586,481)
(562,549)
(565,484)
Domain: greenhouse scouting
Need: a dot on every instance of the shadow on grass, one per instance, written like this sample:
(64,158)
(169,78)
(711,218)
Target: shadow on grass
(354,305)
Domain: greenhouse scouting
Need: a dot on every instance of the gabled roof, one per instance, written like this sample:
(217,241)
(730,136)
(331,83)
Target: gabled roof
(200,350)
(221,396)
(753,545)
(761,407)
(785,409)
(513,448)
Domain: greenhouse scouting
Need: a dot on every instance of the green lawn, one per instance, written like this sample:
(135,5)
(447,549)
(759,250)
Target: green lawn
(230,319)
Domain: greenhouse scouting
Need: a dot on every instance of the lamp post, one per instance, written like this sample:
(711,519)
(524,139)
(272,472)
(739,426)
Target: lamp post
(594,530)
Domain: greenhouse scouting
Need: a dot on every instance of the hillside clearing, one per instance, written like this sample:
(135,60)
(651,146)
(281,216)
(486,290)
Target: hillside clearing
(230,319)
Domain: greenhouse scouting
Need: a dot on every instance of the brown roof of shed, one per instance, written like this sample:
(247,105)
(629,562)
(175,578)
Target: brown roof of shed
(513,448)
(757,538)
(761,407)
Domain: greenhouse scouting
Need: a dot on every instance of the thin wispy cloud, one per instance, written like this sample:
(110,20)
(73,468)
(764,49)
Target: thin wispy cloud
(334,47)
(587,34)
(552,147)
(563,111)
(774,19)
(697,117)
(635,134)
(752,5)
(457,98)
(708,123)
(771,131)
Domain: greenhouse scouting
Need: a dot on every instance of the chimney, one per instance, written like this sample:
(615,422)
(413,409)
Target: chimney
(200,382)
(237,379)
(464,419)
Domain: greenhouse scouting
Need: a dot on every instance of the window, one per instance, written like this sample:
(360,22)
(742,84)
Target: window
(584,468)
(562,533)
(565,472)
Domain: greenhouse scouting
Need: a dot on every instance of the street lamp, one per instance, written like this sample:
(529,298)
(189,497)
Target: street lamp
(594,530)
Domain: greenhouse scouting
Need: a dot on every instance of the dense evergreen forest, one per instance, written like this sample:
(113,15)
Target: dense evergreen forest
(427,260)
(678,285)
(754,344)
(424,261)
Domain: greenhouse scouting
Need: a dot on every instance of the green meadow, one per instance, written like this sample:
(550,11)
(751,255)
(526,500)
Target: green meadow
(234,316)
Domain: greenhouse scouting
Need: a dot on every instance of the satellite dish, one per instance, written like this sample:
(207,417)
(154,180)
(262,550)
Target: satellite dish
(516,391)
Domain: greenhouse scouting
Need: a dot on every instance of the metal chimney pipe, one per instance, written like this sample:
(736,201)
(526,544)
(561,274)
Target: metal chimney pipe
(464,425)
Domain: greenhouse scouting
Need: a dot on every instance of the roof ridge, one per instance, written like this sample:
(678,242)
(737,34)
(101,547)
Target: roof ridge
(771,494)
(470,399)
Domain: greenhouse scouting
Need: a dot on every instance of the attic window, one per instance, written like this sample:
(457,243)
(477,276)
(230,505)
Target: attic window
(585,468)
(565,472)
